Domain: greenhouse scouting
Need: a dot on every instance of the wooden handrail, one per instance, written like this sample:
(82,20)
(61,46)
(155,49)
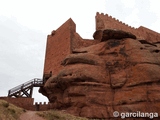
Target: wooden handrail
(36,82)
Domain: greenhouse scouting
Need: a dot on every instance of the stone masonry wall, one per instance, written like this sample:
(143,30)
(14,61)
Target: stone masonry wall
(61,43)
(108,22)
(149,35)
(79,42)
(58,46)
(42,106)
(28,103)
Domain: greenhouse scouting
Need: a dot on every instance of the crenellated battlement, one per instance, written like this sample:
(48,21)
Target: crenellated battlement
(39,106)
(41,103)
(106,17)
(104,21)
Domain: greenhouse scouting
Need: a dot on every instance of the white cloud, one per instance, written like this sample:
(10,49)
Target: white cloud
(48,15)
(128,3)
(25,25)
(22,54)
(133,19)
(154,8)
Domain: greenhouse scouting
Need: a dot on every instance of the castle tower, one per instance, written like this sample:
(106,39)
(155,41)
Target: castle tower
(58,46)
(62,42)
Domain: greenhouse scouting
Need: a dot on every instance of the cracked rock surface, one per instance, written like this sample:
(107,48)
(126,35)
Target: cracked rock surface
(114,75)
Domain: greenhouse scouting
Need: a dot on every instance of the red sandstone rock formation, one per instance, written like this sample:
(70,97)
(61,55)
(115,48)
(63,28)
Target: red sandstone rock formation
(117,74)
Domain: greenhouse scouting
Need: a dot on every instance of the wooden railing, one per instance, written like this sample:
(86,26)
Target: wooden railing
(25,87)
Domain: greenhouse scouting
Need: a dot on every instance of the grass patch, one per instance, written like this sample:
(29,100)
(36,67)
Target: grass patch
(58,115)
(9,111)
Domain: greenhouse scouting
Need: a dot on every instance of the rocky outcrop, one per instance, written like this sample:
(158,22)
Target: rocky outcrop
(118,74)
(107,34)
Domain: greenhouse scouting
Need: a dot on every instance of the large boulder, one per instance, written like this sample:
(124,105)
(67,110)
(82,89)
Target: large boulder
(107,34)
(114,75)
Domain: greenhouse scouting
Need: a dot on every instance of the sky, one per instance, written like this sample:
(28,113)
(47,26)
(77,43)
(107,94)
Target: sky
(25,24)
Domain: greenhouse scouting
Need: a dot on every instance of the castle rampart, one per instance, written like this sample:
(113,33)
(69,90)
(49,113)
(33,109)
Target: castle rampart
(42,106)
(108,22)
(28,103)
(64,40)
(149,34)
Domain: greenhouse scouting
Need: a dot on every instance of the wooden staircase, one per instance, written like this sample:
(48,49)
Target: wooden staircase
(25,89)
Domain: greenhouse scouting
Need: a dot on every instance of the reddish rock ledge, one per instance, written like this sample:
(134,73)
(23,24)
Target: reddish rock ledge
(120,72)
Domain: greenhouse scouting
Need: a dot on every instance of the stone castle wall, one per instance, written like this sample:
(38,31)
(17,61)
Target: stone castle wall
(79,42)
(109,22)
(28,103)
(65,39)
(58,46)
(61,43)
(149,35)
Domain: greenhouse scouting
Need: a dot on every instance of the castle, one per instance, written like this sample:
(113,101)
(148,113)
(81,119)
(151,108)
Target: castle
(65,40)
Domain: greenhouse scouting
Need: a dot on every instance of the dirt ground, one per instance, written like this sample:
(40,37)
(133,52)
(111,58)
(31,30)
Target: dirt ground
(30,115)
